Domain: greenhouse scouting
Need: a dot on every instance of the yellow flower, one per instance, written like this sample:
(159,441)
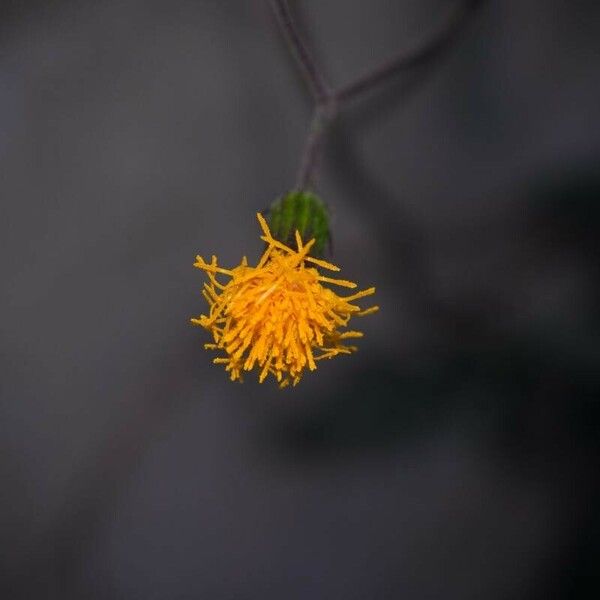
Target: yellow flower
(278,316)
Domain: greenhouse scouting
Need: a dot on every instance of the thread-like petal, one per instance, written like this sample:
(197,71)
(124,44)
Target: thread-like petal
(278,316)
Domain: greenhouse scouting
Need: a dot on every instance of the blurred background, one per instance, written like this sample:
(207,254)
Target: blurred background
(454,456)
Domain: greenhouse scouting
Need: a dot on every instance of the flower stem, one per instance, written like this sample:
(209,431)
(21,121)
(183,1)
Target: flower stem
(299,49)
(322,116)
(328,100)
(421,54)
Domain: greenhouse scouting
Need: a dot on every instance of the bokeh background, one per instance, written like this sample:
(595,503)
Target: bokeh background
(455,456)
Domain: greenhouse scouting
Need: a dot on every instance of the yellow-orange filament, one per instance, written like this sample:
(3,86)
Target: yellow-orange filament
(277,316)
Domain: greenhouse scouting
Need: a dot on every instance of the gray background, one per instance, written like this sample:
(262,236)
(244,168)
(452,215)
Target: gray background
(454,456)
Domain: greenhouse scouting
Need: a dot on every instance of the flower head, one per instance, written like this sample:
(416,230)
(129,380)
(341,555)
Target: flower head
(278,316)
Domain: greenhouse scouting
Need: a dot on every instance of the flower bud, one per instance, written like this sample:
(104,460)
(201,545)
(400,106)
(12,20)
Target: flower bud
(303,212)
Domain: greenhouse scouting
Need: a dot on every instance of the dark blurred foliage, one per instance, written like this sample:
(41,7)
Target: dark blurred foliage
(455,456)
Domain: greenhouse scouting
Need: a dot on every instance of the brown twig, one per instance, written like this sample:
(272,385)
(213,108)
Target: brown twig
(322,115)
(421,54)
(327,101)
(311,71)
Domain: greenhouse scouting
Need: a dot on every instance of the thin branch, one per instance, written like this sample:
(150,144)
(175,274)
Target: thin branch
(417,56)
(327,101)
(310,70)
(310,156)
